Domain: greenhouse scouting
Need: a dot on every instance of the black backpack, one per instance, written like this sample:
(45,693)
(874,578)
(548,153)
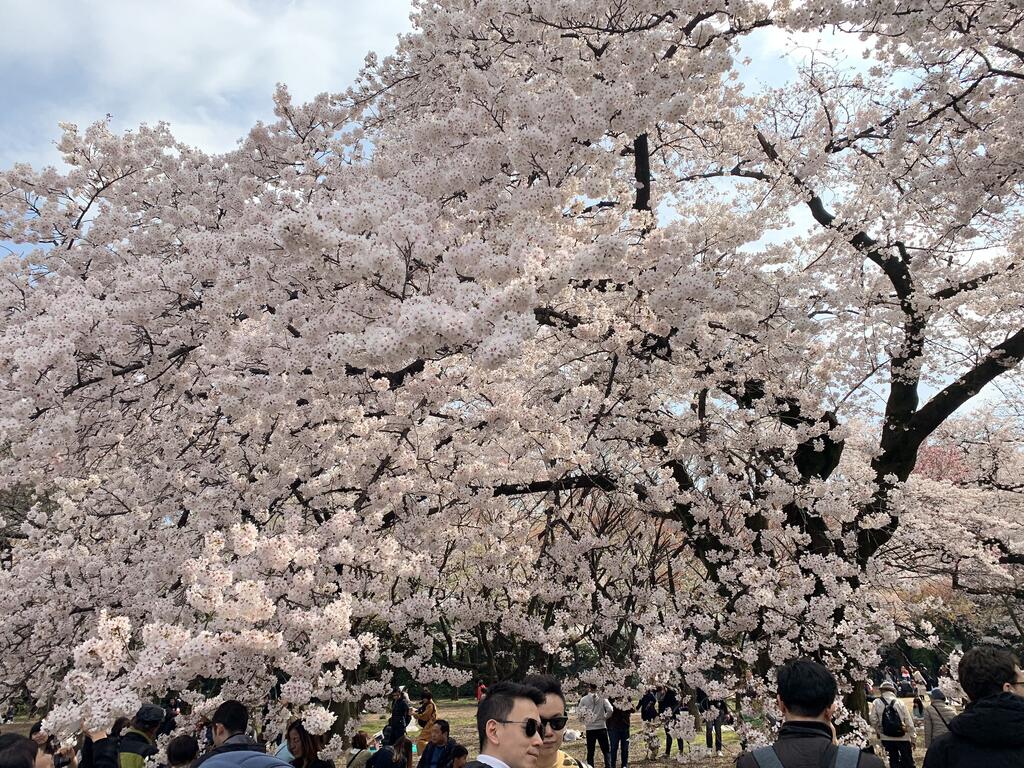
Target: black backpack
(892,723)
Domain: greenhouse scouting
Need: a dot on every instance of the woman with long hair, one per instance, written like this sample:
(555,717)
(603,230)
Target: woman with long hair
(426,716)
(305,748)
(397,755)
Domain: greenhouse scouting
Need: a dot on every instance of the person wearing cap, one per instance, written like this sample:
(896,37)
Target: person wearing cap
(139,741)
(900,748)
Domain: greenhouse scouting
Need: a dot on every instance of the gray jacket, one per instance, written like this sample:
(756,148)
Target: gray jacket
(936,720)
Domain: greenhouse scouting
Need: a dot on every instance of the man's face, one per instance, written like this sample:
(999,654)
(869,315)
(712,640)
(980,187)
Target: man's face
(460,762)
(508,741)
(437,736)
(220,734)
(553,707)
(1016,687)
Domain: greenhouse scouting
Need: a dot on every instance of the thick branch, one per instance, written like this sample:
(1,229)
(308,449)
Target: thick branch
(642,162)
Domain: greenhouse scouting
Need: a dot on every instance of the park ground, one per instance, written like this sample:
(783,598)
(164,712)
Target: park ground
(461,715)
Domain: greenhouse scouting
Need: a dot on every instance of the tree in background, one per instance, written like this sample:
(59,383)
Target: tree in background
(549,335)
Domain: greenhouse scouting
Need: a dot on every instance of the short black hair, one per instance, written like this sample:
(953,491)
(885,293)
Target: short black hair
(233,715)
(985,668)
(806,687)
(182,750)
(459,751)
(446,729)
(498,703)
(546,684)
(17,751)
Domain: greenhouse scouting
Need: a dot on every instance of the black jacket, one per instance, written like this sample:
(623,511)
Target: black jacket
(428,755)
(801,745)
(100,754)
(648,706)
(669,702)
(399,718)
(988,734)
(445,758)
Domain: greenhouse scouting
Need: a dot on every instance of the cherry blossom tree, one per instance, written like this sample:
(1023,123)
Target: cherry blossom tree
(547,335)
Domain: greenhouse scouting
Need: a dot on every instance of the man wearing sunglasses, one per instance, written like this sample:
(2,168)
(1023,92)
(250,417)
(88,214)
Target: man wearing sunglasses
(554,719)
(509,726)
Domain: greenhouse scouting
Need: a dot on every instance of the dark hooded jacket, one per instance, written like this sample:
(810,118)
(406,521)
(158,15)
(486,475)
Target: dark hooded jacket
(988,734)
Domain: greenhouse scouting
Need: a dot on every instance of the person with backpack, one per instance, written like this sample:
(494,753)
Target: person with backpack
(807,696)
(894,726)
(936,717)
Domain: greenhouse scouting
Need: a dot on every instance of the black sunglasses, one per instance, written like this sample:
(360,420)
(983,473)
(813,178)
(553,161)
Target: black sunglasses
(556,723)
(530,726)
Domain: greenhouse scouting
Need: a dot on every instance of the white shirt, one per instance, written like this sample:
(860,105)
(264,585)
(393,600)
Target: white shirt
(492,761)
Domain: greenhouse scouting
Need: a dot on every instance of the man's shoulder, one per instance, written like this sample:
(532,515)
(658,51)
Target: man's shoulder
(747,760)
(241,756)
(870,761)
(564,760)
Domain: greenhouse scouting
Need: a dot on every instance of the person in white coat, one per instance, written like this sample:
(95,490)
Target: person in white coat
(894,726)
(594,710)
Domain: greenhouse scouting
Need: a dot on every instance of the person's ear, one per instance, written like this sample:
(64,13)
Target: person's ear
(830,710)
(491,730)
(782,706)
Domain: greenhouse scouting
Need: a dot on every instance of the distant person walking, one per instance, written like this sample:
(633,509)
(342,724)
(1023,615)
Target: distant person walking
(894,726)
(594,710)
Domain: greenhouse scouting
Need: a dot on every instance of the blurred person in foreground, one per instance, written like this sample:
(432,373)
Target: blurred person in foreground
(989,733)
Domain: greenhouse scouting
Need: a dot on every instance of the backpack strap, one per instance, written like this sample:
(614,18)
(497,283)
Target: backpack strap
(765,757)
(847,757)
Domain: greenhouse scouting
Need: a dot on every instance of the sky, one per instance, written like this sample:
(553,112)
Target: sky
(208,67)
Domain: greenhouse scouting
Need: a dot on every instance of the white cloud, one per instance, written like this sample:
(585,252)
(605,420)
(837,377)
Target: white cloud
(208,67)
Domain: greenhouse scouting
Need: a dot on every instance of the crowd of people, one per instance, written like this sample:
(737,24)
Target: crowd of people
(523,725)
